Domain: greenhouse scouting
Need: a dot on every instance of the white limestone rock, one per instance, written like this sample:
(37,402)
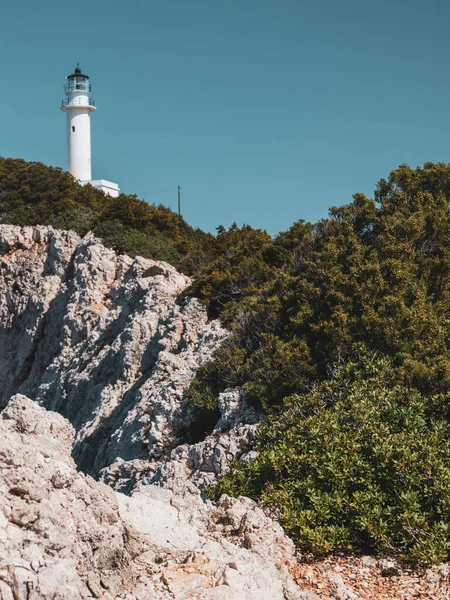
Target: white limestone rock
(56,525)
(64,536)
(191,467)
(86,333)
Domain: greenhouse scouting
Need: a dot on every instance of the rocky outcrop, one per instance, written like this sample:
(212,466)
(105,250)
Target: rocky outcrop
(58,529)
(191,467)
(194,466)
(64,536)
(100,339)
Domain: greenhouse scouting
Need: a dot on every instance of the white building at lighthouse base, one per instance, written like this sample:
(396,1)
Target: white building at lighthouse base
(108,187)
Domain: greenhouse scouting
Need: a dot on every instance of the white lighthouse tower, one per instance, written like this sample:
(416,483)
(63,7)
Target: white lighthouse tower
(78,105)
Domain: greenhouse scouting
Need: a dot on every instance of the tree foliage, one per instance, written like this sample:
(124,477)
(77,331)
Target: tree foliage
(375,272)
(360,461)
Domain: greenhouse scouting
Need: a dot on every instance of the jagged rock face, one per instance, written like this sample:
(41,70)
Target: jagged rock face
(57,528)
(191,467)
(100,339)
(95,337)
(64,536)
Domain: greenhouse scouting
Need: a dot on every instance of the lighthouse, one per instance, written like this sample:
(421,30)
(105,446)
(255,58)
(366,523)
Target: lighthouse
(78,106)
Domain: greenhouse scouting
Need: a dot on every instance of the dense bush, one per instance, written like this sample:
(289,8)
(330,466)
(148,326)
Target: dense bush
(359,462)
(133,242)
(235,267)
(375,272)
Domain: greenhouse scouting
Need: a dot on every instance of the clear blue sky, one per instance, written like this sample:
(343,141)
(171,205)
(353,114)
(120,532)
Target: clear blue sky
(264,111)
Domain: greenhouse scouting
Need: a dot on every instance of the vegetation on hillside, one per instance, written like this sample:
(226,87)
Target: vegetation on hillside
(340,332)
(351,459)
(32,193)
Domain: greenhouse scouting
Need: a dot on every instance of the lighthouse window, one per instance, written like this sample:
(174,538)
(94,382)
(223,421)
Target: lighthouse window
(73,128)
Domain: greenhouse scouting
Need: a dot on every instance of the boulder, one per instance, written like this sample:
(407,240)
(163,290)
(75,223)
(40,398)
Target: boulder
(64,536)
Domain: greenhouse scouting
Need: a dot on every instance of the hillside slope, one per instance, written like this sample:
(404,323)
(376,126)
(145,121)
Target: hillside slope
(32,193)
(340,335)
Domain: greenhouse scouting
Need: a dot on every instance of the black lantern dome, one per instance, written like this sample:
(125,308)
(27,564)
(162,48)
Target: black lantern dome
(78,74)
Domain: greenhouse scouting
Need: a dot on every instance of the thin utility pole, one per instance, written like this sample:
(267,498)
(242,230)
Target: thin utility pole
(179,200)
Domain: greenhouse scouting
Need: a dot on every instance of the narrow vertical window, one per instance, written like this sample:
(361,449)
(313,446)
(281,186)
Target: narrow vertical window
(73,128)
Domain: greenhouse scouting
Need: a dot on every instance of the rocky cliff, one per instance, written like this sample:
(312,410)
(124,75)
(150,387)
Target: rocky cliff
(101,340)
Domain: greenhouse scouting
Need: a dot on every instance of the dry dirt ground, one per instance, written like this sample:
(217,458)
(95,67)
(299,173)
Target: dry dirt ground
(366,578)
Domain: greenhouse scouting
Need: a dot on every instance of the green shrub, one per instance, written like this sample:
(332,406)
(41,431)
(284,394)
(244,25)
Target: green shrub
(79,220)
(153,271)
(215,376)
(358,463)
(132,242)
